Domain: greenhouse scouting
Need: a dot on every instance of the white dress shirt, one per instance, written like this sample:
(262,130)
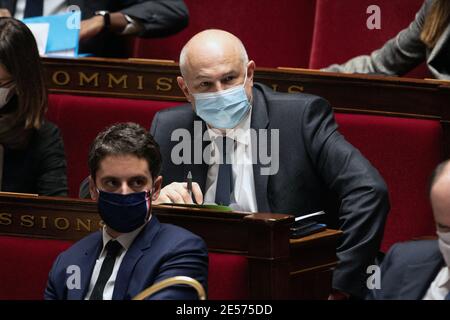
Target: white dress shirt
(243,197)
(125,239)
(440,287)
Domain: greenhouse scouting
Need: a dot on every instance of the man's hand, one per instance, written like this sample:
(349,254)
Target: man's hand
(177,192)
(91,27)
(5,13)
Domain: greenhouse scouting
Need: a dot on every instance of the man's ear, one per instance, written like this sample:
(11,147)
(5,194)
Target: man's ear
(93,189)
(251,66)
(157,188)
(184,88)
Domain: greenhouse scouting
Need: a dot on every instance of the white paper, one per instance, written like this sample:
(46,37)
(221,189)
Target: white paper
(40,33)
(318,213)
(62,53)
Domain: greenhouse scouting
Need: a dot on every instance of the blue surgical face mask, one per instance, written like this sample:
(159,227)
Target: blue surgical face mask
(124,212)
(223,109)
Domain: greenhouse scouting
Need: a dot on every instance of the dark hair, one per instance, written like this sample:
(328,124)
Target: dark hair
(436,174)
(125,139)
(20,56)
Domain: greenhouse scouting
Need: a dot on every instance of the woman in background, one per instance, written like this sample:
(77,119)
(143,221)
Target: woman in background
(426,39)
(32,156)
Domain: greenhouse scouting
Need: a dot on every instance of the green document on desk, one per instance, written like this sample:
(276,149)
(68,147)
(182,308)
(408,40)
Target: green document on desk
(200,206)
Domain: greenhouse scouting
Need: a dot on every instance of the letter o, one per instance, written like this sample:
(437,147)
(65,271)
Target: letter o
(56,80)
(66,223)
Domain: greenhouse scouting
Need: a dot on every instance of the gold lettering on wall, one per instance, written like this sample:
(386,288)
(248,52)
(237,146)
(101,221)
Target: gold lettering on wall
(44,222)
(274,87)
(123,79)
(85,79)
(164,84)
(5,219)
(27,221)
(62,226)
(86,226)
(295,89)
(61,78)
(140,82)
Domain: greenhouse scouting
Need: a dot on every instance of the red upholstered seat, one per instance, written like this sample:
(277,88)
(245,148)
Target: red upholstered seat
(275,34)
(25,265)
(340,30)
(27,261)
(228,277)
(82,118)
(405,151)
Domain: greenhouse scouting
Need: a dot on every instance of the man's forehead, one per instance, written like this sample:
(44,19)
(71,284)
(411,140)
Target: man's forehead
(222,71)
(215,68)
(216,58)
(123,165)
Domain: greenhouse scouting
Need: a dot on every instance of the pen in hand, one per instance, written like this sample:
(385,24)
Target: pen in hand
(189,186)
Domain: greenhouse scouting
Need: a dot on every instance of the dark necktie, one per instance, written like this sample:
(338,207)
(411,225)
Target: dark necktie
(112,250)
(225,177)
(34,8)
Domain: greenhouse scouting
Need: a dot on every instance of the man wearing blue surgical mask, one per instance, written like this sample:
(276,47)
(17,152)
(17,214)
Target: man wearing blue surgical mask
(257,150)
(420,270)
(134,250)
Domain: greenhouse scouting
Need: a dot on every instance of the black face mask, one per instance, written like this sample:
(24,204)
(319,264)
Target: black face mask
(124,212)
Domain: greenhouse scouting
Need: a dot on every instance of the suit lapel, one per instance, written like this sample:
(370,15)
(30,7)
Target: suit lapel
(260,120)
(131,258)
(417,279)
(87,263)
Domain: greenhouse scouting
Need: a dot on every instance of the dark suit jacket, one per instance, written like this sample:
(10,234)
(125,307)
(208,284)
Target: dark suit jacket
(408,270)
(160,251)
(159,18)
(40,168)
(316,164)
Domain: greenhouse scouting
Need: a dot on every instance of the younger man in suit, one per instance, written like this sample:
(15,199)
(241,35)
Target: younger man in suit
(134,250)
(420,270)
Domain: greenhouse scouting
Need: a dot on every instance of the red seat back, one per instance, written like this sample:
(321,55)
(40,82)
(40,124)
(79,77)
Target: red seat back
(405,151)
(27,262)
(228,277)
(274,34)
(25,265)
(81,118)
(341,33)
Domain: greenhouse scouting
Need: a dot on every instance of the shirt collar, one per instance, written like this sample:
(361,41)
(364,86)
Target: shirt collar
(240,133)
(125,239)
(444,279)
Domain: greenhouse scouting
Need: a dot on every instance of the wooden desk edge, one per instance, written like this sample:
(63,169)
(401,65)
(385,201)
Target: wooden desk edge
(327,234)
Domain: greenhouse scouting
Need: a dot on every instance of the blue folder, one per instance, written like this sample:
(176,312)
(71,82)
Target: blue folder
(63,32)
